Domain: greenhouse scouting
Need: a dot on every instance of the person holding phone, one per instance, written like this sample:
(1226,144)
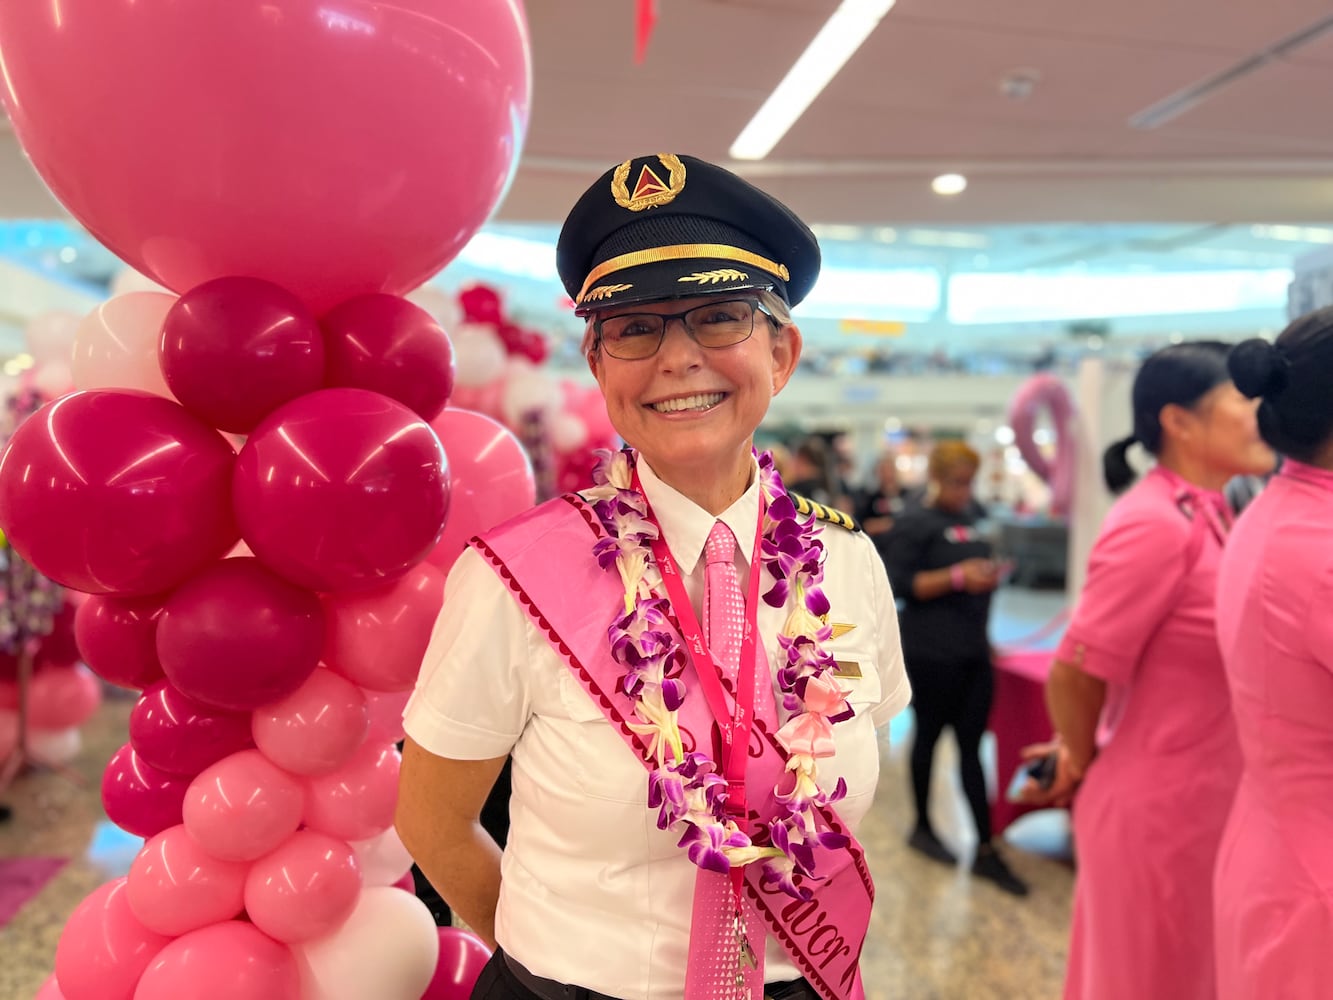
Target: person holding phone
(942,569)
(1140,661)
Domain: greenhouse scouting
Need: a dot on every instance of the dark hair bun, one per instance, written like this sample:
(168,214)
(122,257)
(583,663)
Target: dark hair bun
(1258,368)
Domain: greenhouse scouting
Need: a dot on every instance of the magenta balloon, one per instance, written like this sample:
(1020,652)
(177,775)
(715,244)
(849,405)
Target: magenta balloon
(388,345)
(177,734)
(331,184)
(227,961)
(462,957)
(104,949)
(237,637)
(490,479)
(342,489)
(314,729)
(378,638)
(355,802)
(242,807)
(117,638)
(235,349)
(175,886)
(61,697)
(138,797)
(304,889)
(109,491)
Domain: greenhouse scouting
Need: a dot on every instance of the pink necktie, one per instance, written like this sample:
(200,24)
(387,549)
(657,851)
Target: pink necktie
(714,970)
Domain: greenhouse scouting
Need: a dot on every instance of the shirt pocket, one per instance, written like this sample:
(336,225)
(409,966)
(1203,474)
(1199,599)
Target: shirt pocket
(596,756)
(856,760)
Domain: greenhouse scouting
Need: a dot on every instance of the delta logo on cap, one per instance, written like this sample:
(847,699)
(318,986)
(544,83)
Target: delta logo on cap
(650,190)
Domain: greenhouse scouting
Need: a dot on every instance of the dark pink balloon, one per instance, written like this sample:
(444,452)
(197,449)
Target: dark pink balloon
(138,797)
(234,349)
(58,647)
(462,957)
(177,734)
(490,479)
(388,345)
(378,638)
(104,949)
(107,491)
(237,636)
(342,489)
(117,638)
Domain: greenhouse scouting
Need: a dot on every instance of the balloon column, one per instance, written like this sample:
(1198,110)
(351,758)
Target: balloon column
(272,604)
(1046,393)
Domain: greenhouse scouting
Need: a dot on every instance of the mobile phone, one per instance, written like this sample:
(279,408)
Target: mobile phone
(1041,770)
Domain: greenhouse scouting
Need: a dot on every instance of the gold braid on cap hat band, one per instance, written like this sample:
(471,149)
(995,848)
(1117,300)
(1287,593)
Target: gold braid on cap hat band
(684,251)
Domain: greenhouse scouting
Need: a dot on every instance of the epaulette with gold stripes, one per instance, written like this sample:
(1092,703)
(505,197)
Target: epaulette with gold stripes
(804,505)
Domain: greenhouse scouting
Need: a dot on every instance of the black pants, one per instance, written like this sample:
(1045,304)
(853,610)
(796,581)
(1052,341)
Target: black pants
(957,695)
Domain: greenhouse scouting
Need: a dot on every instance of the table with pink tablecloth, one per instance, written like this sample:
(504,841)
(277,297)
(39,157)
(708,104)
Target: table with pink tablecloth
(1018,718)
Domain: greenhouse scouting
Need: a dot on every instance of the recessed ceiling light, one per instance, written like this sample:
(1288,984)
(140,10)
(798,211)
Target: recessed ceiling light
(949,184)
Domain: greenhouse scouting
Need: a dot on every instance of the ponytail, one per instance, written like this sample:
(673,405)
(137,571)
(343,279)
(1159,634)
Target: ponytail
(1116,470)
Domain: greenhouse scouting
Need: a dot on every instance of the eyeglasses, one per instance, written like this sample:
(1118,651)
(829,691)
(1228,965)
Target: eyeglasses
(636,336)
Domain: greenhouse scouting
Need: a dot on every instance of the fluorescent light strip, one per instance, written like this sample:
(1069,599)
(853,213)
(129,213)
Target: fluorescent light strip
(827,53)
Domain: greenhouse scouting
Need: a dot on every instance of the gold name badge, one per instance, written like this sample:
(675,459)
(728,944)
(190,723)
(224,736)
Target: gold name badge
(848,668)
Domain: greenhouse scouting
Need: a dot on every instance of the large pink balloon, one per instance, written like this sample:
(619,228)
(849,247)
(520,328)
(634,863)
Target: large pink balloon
(104,948)
(378,638)
(227,961)
(235,349)
(242,807)
(174,733)
(490,479)
(138,797)
(315,728)
(175,886)
(305,888)
(117,638)
(341,489)
(355,802)
(462,957)
(331,184)
(388,345)
(237,636)
(117,492)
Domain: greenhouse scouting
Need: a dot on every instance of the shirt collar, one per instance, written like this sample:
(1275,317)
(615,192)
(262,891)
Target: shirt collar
(685,525)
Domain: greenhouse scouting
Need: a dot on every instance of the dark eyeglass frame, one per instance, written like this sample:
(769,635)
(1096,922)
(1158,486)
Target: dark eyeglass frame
(756,307)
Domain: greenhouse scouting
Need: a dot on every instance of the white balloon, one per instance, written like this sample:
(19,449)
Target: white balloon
(479,356)
(568,432)
(54,746)
(50,337)
(117,343)
(528,389)
(439,303)
(388,949)
(383,859)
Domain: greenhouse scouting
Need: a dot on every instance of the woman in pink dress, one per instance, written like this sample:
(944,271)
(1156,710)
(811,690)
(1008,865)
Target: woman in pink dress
(1140,663)
(1274,882)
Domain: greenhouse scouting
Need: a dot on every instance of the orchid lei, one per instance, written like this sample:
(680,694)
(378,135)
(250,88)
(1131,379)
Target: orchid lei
(688,789)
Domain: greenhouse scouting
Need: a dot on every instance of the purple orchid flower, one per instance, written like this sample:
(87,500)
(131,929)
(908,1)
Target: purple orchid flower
(705,845)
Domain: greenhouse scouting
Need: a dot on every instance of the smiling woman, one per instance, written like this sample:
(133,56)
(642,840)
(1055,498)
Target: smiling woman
(691,762)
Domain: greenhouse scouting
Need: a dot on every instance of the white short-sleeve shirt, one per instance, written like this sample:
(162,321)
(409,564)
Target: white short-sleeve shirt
(591,892)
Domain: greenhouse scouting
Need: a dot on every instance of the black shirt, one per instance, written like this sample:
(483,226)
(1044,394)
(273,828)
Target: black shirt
(948,629)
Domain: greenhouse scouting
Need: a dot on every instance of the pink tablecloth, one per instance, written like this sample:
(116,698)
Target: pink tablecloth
(1017,718)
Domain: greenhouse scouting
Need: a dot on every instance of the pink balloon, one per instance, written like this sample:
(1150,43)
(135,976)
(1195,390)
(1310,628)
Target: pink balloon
(330,184)
(116,344)
(237,636)
(388,345)
(462,957)
(315,728)
(407,883)
(49,990)
(59,647)
(490,479)
(175,886)
(61,697)
(235,349)
(9,732)
(227,961)
(104,949)
(117,491)
(378,638)
(1046,392)
(357,801)
(117,638)
(341,489)
(138,797)
(304,889)
(386,715)
(175,733)
(242,807)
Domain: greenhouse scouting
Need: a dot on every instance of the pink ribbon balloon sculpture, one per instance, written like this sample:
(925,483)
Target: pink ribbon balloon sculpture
(1046,392)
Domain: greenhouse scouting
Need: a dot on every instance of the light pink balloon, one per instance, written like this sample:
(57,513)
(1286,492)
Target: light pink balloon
(116,344)
(227,961)
(61,697)
(315,729)
(356,801)
(242,807)
(304,889)
(104,949)
(175,886)
(386,716)
(378,638)
(49,990)
(490,479)
(383,859)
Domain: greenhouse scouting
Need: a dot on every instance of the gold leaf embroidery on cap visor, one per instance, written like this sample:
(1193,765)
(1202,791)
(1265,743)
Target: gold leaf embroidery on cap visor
(713,277)
(683,251)
(605,292)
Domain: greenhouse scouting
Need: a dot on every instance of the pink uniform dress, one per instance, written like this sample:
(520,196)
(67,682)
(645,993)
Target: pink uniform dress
(1274,881)
(1149,815)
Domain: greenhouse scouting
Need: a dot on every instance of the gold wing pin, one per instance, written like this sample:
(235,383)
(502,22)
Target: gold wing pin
(839,628)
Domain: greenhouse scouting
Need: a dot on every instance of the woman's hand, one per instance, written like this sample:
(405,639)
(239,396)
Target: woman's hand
(980,576)
(1067,777)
